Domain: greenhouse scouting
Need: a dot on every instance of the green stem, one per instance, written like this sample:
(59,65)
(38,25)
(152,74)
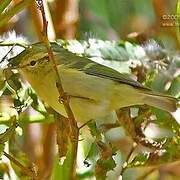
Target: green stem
(24,169)
(4,18)
(4,4)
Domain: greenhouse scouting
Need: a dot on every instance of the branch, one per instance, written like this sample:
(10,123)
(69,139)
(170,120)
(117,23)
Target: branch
(64,98)
(25,170)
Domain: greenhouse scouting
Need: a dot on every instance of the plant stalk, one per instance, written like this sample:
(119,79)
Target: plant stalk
(64,98)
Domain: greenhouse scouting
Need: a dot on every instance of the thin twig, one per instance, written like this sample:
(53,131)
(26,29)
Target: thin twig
(24,169)
(124,167)
(5,56)
(85,124)
(64,98)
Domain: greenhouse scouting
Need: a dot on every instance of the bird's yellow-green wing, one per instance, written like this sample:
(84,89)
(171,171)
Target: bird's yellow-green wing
(90,67)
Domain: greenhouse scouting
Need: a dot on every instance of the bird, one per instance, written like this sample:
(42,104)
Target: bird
(95,90)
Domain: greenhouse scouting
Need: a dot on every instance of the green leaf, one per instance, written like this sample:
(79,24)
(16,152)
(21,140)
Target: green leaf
(92,155)
(105,163)
(4,169)
(103,166)
(62,170)
(2,80)
(139,160)
(174,89)
(25,119)
(8,133)
(159,82)
(4,4)
(12,79)
(94,130)
(15,146)
(36,104)
(165,120)
(85,175)
(5,136)
(2,146)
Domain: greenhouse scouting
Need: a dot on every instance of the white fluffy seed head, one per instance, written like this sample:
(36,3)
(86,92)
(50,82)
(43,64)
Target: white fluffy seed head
(7,52)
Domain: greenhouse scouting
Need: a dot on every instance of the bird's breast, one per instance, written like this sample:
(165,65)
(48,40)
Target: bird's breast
(89,95)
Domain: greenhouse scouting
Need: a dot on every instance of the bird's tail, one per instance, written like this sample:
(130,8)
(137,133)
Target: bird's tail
(158,100)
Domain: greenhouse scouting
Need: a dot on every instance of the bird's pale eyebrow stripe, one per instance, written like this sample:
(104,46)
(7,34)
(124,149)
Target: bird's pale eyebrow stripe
(43,58)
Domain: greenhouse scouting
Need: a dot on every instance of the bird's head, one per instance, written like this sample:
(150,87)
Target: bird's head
(34,58)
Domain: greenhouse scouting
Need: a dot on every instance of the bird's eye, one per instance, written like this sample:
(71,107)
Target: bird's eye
(33,63)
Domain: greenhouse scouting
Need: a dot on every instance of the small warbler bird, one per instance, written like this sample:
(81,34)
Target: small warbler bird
(95,90)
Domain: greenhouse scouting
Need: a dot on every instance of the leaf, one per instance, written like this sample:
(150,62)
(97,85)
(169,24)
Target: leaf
(103,166)
(4,4)
(2,146)
(139,160)
(8,133)
(174,89)
(85,175)
(4,137)
(15,146)
(2,80)
(91,156)
(165,120)
(105,163)
(4,169)
(12,79)
(36,103)
(94,130)
(62,169)
(26,118)
(159,82)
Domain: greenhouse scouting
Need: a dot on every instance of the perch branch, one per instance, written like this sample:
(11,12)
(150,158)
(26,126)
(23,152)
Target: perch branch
(64,98)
